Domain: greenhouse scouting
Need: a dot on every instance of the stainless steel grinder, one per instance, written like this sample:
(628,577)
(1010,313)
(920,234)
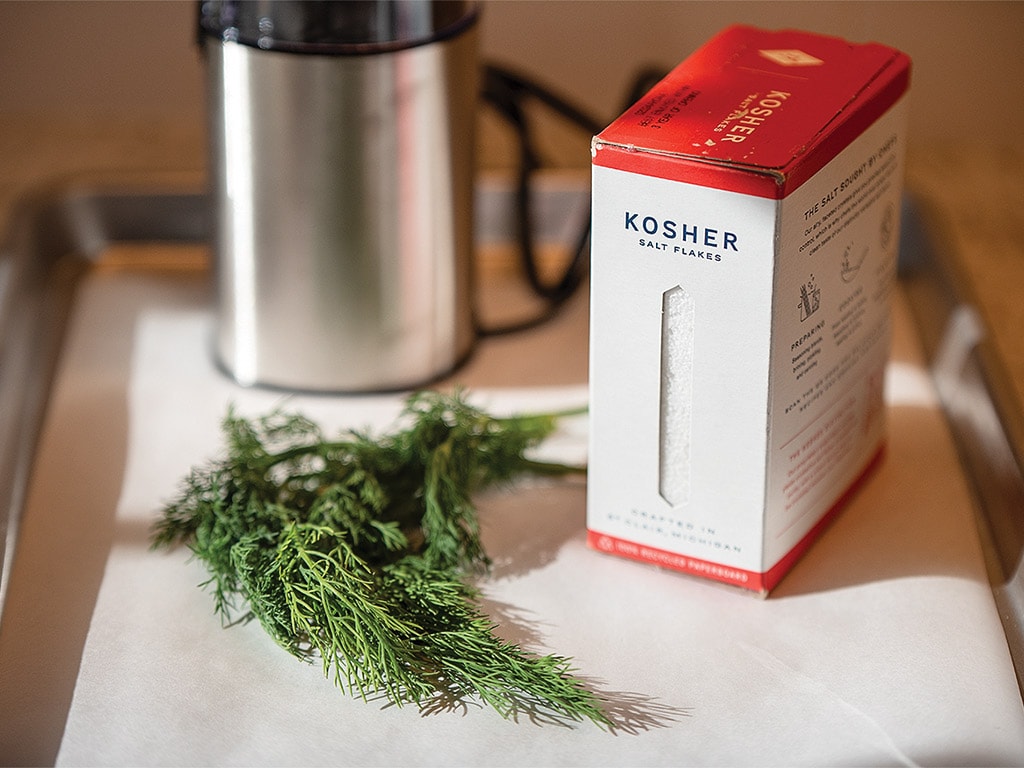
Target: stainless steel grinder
(341,175)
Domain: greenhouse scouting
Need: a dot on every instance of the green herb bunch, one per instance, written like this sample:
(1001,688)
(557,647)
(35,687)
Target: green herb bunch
(357,551)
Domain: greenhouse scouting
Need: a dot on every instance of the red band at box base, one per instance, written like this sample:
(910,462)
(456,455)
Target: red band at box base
(727,574)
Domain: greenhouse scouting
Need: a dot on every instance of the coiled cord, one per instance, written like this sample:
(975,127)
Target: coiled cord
(507,93)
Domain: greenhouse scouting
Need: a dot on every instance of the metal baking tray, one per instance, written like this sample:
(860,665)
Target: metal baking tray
(977,396)
(55,236)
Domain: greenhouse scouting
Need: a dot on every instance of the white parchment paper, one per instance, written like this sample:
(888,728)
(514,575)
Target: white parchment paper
(882,647)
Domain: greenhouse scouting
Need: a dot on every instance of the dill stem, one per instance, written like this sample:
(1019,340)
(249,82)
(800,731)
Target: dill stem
(552,468)
(317,448)
(564,413)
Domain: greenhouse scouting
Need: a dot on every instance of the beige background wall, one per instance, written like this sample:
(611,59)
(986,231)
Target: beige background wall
(114,58)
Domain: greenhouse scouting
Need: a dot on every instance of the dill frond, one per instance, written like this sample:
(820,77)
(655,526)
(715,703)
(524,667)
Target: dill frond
(355,552)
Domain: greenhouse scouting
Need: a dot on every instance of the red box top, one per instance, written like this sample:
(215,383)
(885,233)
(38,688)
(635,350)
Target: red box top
(756,111)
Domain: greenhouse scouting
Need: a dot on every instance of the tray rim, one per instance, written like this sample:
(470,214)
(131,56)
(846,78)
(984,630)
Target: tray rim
(59,231)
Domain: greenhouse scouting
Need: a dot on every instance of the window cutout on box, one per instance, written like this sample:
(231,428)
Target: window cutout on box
(677,324)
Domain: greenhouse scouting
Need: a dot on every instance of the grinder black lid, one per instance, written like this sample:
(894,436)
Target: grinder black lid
(334,27)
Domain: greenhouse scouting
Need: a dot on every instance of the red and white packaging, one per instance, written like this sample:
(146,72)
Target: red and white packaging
(745,229)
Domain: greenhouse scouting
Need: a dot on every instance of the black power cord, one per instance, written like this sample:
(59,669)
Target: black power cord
(507,92)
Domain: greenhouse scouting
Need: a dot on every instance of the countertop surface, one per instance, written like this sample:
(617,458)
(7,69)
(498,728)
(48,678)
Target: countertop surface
(883,645)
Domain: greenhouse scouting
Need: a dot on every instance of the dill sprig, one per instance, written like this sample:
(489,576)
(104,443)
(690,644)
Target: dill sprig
(356,552)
